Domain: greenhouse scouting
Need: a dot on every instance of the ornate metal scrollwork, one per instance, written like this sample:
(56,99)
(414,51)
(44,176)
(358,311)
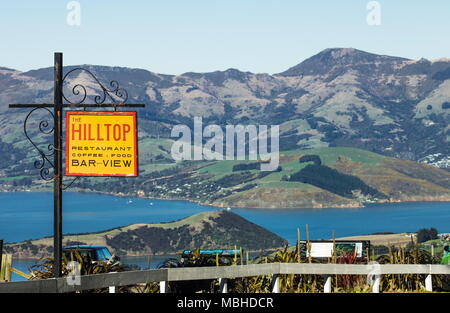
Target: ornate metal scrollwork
(115,96)
(44,164)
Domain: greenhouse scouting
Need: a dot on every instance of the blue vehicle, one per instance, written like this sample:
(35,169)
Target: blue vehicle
(220,252)
(91,253)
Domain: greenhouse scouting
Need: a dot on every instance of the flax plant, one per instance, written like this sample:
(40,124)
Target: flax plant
(45,269)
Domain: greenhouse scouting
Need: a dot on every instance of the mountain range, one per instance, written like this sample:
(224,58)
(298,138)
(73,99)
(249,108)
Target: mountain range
(340,97)
(354,127)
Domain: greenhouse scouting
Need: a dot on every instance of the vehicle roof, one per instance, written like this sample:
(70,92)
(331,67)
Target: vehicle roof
(215,251)
(84,247)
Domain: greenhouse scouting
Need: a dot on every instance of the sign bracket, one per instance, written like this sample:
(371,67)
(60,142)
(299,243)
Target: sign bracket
(112,97)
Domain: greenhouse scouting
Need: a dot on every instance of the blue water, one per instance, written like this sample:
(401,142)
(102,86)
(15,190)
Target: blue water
(30,215)
(388,217)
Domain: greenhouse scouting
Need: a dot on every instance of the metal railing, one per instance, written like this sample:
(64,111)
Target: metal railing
(223,273)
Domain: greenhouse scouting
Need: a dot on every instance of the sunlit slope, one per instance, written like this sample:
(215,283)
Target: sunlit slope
(399,180)
(207,230)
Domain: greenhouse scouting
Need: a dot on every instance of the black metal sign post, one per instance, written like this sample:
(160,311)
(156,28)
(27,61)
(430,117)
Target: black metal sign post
(1,252)
(116,98)
(57,180)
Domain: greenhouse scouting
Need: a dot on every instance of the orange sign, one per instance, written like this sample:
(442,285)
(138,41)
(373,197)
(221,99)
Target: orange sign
(101,144)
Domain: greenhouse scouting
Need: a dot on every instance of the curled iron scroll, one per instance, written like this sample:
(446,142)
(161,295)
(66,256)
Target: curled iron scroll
(114,95)
(45,126)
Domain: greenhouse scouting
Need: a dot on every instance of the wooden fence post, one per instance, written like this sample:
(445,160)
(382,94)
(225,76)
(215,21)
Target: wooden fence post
(327,284)
(163,287)
(223,285)
(376,284)
(112,289)
(2,268)
(8,267)
(275,283)
(5,270)
(429,283)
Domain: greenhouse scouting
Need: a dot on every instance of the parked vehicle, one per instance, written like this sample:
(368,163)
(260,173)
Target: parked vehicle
(91,253)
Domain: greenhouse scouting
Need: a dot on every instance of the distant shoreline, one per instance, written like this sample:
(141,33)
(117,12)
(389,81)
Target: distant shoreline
(376,218)
(395,239)
(123,195)
(204,230)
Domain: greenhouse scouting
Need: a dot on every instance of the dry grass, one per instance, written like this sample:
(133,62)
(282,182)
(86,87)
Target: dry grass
(397,240)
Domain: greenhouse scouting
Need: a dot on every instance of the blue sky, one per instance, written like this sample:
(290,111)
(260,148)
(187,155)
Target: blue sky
(177,36)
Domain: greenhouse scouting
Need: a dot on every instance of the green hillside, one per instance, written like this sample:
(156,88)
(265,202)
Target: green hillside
(346,177)
(208,230)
